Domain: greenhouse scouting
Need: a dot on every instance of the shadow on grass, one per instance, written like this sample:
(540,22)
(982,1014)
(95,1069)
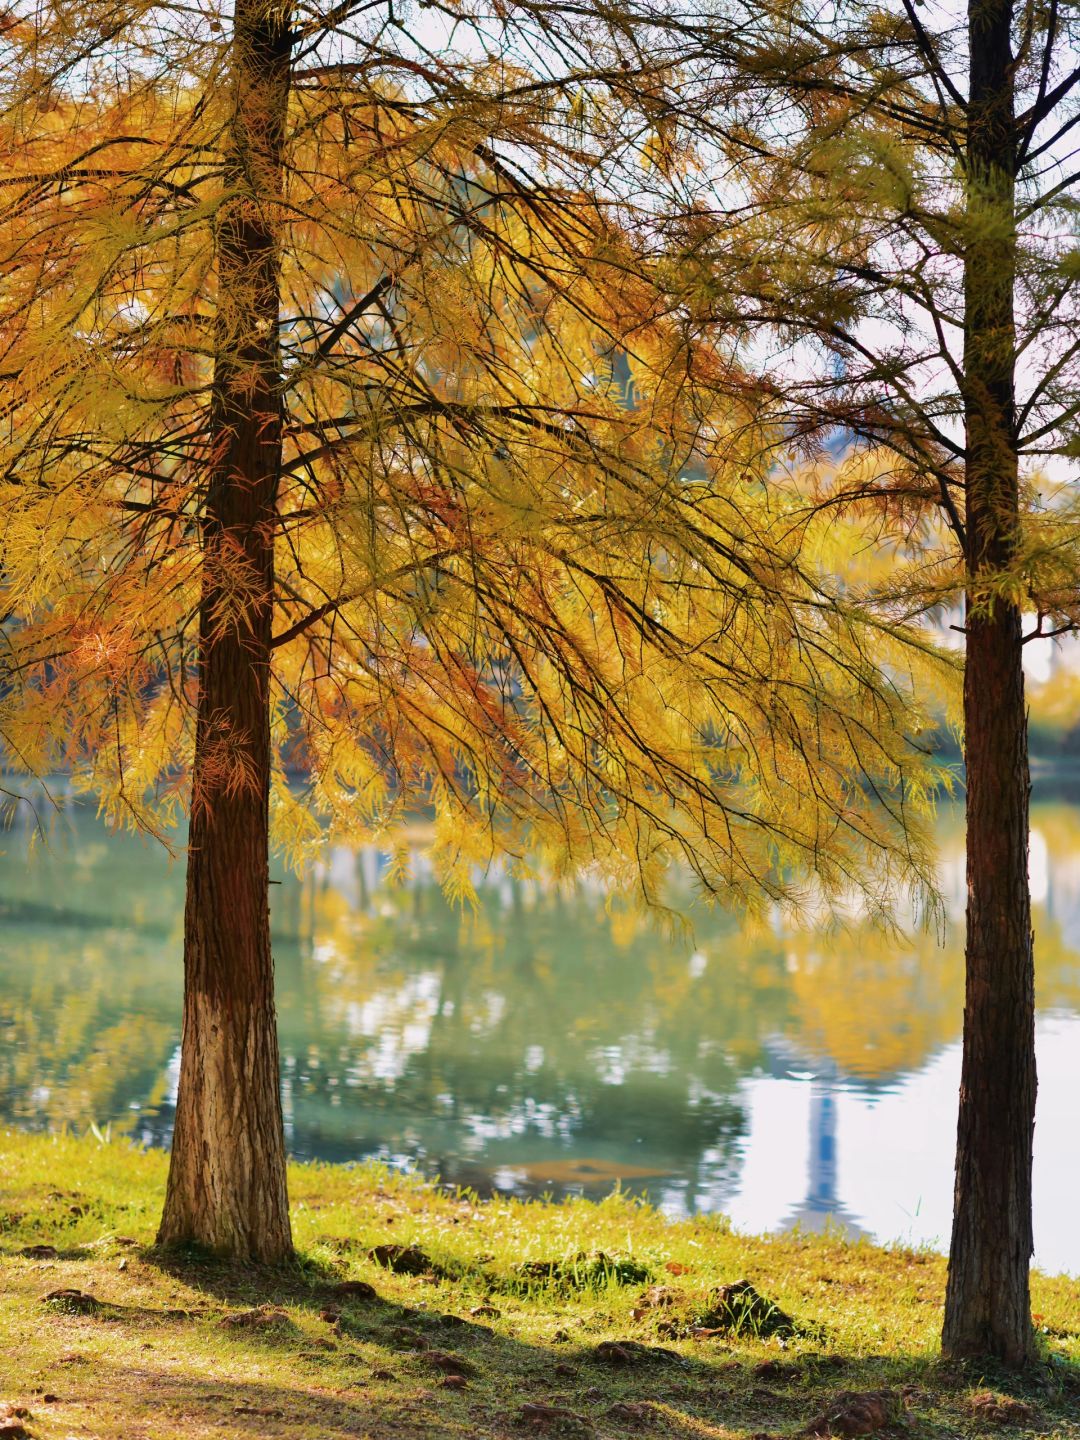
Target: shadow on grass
(511,1397)
(419,1369)
(439,1373)
(228,1357)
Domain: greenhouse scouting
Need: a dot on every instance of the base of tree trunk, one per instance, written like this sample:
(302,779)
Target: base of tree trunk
(226,1190)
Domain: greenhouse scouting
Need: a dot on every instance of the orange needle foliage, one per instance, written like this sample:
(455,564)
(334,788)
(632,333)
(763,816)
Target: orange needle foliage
(353,462)
(529,569)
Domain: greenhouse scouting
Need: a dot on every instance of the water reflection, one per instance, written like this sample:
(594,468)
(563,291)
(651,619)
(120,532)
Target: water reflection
(551,1043)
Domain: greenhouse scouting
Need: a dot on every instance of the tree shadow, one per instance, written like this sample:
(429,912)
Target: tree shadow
(503,1384)
(510,1396)
(348,1362)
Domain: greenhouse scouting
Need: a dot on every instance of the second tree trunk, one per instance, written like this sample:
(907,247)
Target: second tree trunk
(987,1306)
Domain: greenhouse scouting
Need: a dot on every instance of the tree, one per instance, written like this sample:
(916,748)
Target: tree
(988,1303)
(227,1173)
(891,196)
(353,469)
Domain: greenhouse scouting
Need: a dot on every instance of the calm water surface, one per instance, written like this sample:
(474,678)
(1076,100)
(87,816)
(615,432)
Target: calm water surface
(550,1044)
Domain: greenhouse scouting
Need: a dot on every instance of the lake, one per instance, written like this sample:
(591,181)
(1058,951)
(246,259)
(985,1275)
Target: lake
(550,1043)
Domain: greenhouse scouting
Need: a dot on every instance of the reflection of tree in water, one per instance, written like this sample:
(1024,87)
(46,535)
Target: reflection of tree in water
(89,976)
(85,1037)
(542,1034)
(879,1005)
(518,1038)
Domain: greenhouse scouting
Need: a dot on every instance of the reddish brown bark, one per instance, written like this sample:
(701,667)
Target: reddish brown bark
(987,1307)
(226,1186)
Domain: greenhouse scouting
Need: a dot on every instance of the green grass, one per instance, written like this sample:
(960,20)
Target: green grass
(518,1297)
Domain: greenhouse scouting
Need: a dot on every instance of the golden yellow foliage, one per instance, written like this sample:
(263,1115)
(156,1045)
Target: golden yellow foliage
(533,576)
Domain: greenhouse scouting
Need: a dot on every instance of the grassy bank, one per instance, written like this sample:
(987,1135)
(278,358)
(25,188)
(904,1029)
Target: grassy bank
(519,1319)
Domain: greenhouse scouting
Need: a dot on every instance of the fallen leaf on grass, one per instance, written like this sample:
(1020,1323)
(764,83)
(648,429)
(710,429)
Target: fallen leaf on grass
(653,1298)
(401,1259)
(857,1413)
(1001,1409)
(254,1319)
(553,1418)
(402,1338)
(448,1363)
(354,1289)
(825,1362)
(632,1412)
(775,1370)
(632,1352)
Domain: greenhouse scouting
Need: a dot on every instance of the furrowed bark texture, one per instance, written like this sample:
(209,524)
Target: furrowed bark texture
(227,1188)
(987,1307)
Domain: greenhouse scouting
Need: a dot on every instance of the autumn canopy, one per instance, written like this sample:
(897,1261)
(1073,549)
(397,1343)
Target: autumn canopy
(482,415)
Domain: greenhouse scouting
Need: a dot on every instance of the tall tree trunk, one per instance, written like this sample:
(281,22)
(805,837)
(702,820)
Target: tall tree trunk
(226,1185)
(987,1306)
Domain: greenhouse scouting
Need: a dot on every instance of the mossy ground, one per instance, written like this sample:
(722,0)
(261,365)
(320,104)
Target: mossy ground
(157,1357)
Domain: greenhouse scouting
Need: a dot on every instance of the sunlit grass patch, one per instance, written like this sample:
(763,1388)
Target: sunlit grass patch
(415,1312)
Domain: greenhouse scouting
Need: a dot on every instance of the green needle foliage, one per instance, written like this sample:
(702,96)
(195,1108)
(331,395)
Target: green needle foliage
(879,205)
